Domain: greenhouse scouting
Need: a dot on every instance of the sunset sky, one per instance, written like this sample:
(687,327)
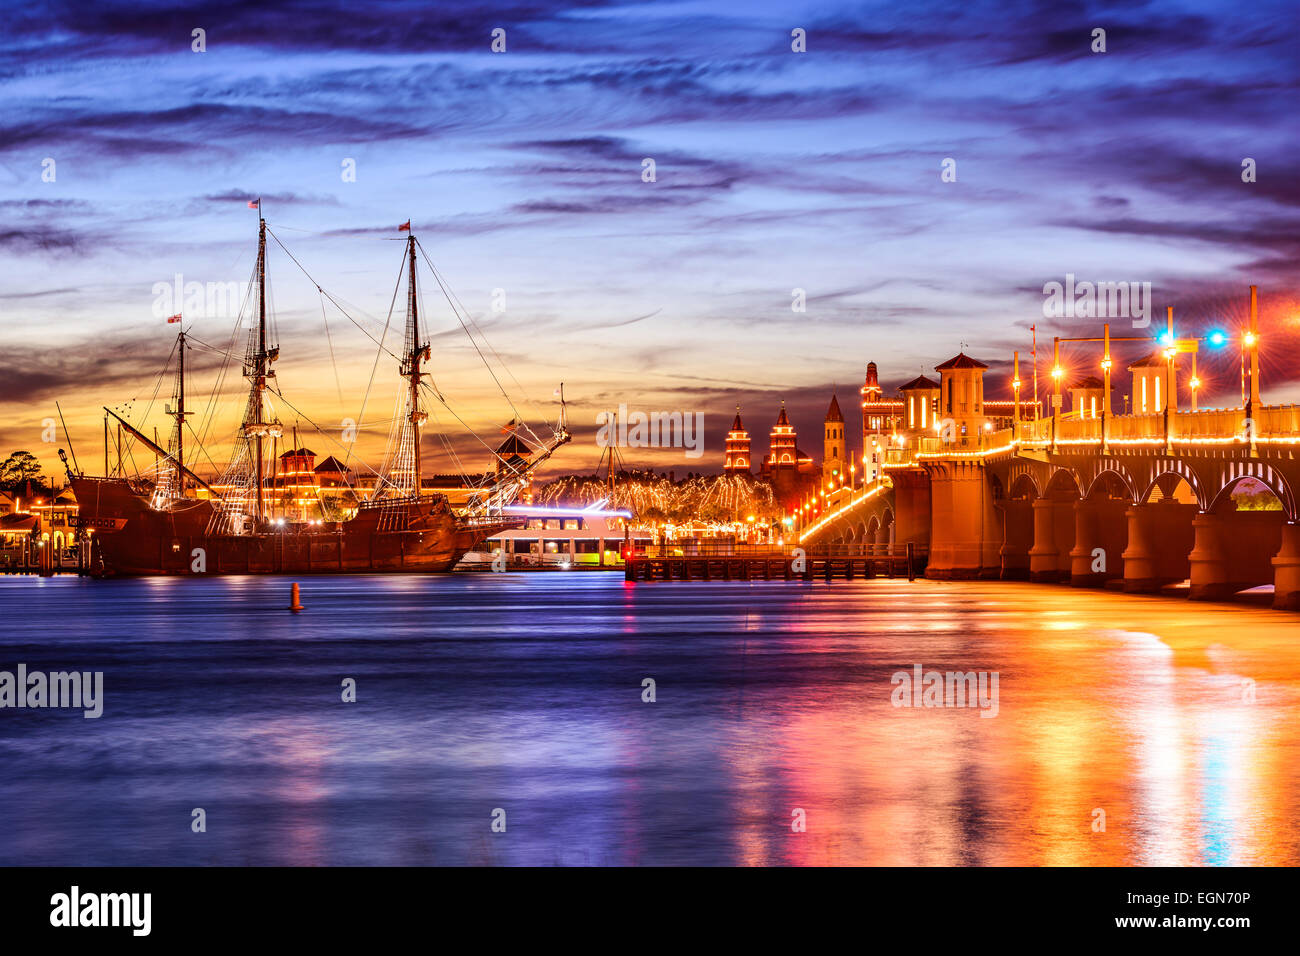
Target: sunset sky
(522,171)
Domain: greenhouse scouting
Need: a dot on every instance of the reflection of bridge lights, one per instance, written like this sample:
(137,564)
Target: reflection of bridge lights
(1170,353)
(1105,364)
(1250,338)
(1015,383)
(1196,383)
(1057,372)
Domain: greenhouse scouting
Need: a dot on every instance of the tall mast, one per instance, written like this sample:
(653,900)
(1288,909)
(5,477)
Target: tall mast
(259,382)
(257,371)
(179,415)
(413,353)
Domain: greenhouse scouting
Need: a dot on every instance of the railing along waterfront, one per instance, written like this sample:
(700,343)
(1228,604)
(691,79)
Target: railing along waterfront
(788,562)
(774,551)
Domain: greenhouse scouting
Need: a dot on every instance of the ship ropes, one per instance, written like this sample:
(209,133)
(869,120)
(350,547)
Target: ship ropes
(241,508)
(400,477)
(243,499)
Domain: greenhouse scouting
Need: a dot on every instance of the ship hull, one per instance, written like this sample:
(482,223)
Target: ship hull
(129,538)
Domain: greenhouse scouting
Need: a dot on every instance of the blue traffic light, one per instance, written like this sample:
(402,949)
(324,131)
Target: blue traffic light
(1217,338)
(1165,339)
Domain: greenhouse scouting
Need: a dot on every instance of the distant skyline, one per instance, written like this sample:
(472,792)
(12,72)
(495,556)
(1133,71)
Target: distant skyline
(522,172)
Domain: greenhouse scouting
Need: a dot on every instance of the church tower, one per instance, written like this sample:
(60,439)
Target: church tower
(737,459)
(783,452)
(871,387)
(835,457)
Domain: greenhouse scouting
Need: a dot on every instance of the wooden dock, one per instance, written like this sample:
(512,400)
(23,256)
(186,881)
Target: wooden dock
(775,565)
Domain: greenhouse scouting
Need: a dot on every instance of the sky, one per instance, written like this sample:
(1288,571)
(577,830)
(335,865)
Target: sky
(523,173)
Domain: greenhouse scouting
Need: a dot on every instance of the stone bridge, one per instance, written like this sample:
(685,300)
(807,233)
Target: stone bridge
(1134,501)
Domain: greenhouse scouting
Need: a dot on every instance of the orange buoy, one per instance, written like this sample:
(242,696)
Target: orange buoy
(295,604)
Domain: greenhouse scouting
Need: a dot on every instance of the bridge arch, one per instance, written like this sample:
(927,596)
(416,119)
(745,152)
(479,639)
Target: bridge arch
(1106,470)
(1178,469)
(1064,480)
(1024,485)
(1269,477)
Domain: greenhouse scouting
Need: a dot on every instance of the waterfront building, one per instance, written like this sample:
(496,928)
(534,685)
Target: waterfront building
(792,474)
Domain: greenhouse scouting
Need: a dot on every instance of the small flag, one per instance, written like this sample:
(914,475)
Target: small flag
(405,227)
(174,318)
(255,203)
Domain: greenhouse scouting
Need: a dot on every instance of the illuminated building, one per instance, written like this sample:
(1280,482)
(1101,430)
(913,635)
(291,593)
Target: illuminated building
(737,455)
(835,455)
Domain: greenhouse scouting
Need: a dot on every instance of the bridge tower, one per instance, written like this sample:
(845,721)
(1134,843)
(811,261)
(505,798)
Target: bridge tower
(1151,384)
(961,401)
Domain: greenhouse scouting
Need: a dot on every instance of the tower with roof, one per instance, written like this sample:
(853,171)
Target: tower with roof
(961,400)
(835,456)
(737,459)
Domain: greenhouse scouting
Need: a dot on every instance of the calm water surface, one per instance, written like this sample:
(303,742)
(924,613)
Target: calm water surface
(523,692)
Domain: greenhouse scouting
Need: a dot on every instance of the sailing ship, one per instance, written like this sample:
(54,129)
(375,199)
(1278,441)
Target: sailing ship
(177,523)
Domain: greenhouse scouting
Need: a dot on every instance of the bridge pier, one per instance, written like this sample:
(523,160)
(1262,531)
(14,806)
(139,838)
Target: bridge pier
(1139,555)
(1286,570)
(1045,557)
(1210,579)
(1017,538)
(1160,535)
(1099,534)
(1087,539)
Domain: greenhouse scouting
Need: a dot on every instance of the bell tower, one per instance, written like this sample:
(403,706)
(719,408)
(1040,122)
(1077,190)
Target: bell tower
(737,459)
(835,457)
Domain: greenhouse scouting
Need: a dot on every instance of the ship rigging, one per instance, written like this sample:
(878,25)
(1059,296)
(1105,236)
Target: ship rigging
(400,524)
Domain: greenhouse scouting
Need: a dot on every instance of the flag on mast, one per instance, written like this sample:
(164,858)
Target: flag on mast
(174,318)
(255,203)
(405,227)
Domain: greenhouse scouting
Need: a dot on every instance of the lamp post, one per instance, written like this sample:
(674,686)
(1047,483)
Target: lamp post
(1105,392)
(1057,374)
(1171,395)
(1252,343)
(1015,391)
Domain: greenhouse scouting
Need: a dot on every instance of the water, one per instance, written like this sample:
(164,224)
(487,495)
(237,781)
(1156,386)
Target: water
(524,692)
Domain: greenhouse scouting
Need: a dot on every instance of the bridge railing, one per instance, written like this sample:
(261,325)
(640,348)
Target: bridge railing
(1270,421)
(1036,431)
(1122,427)
(1207,423)
(1278,421)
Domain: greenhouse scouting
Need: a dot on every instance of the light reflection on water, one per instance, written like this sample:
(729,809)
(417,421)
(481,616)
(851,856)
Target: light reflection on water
(524,692)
